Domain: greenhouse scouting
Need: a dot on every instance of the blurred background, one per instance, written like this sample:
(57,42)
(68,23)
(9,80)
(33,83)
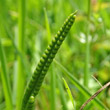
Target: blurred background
(27,27)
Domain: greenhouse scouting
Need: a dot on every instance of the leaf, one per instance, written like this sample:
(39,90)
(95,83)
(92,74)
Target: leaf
(69,92)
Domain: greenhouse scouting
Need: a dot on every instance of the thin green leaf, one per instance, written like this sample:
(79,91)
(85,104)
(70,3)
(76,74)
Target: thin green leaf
(20,74)
(69,92)
(62,96)
(47,25)
(52,74)
(5,79)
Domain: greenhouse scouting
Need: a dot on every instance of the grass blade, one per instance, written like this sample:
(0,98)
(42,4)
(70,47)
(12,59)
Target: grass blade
(62,96)
(69,92)
(47,25)
(20,74)
(81,88)
(5,79)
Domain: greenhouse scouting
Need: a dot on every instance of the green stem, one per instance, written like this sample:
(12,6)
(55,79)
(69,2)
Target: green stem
(20,74)
(87,61)
(53,87)
(44,100)
(89,9)
(86,73)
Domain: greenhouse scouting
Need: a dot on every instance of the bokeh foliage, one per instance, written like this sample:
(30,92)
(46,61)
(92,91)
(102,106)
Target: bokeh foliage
(72,55)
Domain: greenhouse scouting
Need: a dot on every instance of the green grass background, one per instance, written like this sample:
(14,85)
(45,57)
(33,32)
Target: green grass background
(26,28)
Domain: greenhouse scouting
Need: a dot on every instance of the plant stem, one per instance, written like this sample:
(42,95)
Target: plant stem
(53,87)
(89,9)
(20,74)
(87,61)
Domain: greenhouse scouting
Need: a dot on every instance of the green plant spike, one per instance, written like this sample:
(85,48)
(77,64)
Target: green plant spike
(45,61)
(30,104)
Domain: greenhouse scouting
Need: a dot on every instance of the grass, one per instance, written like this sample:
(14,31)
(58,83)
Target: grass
(21,38)
(82,89)
(26,28)
(87,59)
(69,93)
(5,79)
(62,94)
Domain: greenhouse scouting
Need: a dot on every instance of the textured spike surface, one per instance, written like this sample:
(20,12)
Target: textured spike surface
(37,78)
(30,103)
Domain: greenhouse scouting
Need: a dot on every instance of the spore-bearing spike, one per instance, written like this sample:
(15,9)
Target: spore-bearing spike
(44,56)
(49,48)
(59,42)
(56,47)
(61,38)
(47,52)
(54,40)
(42,60)
(58,33)
(46,60)
(40,64)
